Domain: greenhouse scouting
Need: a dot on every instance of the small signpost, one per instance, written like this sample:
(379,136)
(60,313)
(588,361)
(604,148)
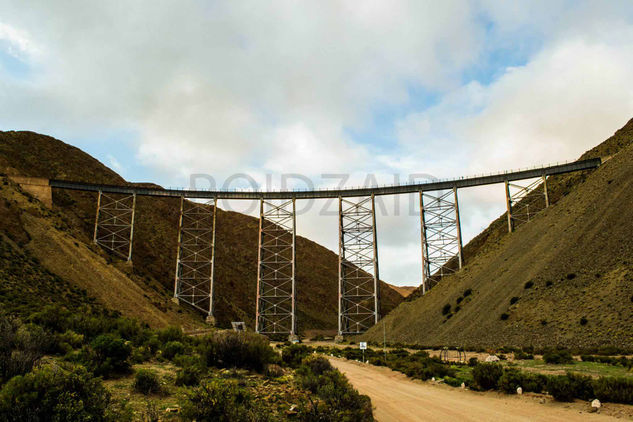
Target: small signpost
(363,346)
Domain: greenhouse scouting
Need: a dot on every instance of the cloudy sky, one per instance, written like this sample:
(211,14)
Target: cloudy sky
(161,90)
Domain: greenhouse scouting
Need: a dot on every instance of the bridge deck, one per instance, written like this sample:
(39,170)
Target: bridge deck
(462,182)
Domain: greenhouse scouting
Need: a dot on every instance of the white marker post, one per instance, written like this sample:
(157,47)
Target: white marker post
(363,346)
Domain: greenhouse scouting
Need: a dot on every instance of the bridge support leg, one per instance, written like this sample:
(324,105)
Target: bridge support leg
(524,202)
(114,223)
(425,249)
(509,207)
(458,229)
(276,269)
(441,236)
(193,283)
(359,288)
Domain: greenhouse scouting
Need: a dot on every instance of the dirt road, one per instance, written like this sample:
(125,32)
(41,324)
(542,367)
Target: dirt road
(398,398)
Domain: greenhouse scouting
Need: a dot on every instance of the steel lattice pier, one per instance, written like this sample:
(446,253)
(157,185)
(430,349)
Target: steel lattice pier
(114,223)
(196,255)
(359,291)
(441,236)
(276,313)
(524,202)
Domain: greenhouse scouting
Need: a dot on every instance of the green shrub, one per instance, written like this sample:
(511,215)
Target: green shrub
(146,382)
(514,300)
(614,389)
(294,354)
(621,361)
(71,338)
(558,357)
(53,317)
(110,355)
(399,353)
(274,371)
(129,329)
(583,321)
(172,348)
(231,349)
(54,394)
(318,365)
(455,382)
(569,386)
(510,381)
(188,360)
(446,309)
(420,366)
(153,344)
(504,316)
(521,355)
(582,386)
(560,387)
(533,382)
(467,292)
(340,401)
(188,375)
(141,354)
(221,401)
(170,334)
(473,361)
(20,349)
(486,375)
(528,285)
(513,378)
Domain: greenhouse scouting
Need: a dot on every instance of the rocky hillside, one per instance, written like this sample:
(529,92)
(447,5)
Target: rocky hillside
(565,278)
(153,259)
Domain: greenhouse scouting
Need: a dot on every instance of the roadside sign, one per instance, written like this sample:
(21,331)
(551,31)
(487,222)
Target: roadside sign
(363,345)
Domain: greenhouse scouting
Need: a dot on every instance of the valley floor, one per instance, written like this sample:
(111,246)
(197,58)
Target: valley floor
(398,398)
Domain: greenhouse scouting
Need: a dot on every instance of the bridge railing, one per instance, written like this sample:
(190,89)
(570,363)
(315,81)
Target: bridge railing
(403,188)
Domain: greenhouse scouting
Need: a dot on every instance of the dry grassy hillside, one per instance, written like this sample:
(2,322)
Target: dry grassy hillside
(558,187)
(31,154)
(42,263)
(565,278)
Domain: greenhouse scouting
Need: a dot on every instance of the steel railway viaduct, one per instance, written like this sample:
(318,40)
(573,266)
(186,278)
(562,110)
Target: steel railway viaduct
(358,287)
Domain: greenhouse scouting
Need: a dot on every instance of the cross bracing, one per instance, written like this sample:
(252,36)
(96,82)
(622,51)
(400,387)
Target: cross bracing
(275,313)
(359,294)
(196,255)
(114,223)
(525,200)
(441,236)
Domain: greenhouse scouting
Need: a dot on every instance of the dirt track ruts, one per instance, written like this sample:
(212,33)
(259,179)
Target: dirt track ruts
(398,398)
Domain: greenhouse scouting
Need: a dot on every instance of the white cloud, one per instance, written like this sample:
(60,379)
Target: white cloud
(571,96)
(255,87)
(19,44)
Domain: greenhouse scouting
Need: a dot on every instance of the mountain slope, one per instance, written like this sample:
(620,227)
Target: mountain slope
(153,259)
(568,272)
(558,187)
(42,263)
